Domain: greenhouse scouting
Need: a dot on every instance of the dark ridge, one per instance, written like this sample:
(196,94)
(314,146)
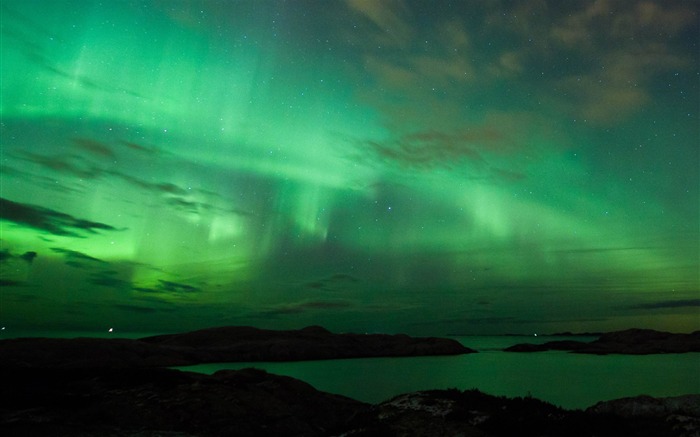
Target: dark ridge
(224,344)
(630,341)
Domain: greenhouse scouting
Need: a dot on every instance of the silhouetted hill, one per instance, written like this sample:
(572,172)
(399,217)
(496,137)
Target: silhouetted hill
(226,344)
(166,402)
(630,341)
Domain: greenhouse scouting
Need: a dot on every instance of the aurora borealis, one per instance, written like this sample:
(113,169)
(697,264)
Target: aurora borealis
(394,166)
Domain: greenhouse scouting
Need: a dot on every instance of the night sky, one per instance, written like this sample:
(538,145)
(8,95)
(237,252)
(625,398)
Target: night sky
(395,166)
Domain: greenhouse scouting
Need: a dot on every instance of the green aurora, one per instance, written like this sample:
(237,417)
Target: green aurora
(394,166)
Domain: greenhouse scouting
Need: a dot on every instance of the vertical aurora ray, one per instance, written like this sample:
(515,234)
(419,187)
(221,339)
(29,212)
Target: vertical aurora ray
(367,166)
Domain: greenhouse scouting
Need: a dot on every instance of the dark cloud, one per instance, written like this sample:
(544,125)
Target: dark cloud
(52,184)
(81,167)
(508,175)
(185,205)
(164,286)
(70,164)
(28,256)
(48,220)
(335,282)
(177,287)
(473,148)
(105,280)
(301,307)
(94,147)
(75,256)
(136,308)
(12,266)
(426,151)
(681,303)
(161,187)
(140,148)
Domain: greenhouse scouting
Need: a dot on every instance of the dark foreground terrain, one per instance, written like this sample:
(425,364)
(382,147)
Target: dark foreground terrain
(250,402)
(630,341)
(120,387)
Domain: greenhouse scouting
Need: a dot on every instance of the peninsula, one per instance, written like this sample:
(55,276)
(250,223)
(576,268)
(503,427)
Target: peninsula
(212,345)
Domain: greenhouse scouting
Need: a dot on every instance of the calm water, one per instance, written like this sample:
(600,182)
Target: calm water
(564,379)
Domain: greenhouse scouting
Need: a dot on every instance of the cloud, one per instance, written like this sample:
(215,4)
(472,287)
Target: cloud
(136,308)
(681,303)
(94,147)
(106,280)
(164,286)
(488,149)
(627,47)
(14,266)
(335,282)
(67,164)
(7,256)
(75,255)
(140,148)
(49,220)
(388,17)
(52,184)
(83,168)
(28,256)
(302,307)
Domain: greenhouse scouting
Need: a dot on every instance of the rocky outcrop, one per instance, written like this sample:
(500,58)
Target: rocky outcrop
(226,344)
(647,406)
(682,413)
(630,341)
(150,402)
(472,413)
(251,402)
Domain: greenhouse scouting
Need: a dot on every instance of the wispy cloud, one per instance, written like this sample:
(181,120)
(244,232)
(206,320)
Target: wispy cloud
(140,309)
(94,147)
(49,220)
(164,286)
(104,279)
(69,164)
(78,163)
(302,307)
(490,149)
(389,18)
(680,303)
(335,282)
(79,260)
(7,256)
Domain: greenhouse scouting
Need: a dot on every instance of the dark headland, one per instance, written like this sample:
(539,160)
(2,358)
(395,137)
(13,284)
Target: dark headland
(630,341)
(213,345)
(118,387)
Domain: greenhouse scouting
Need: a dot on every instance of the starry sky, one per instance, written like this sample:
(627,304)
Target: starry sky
(369,166)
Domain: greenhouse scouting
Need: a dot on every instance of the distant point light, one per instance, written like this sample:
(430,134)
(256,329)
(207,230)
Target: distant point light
(110,330)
